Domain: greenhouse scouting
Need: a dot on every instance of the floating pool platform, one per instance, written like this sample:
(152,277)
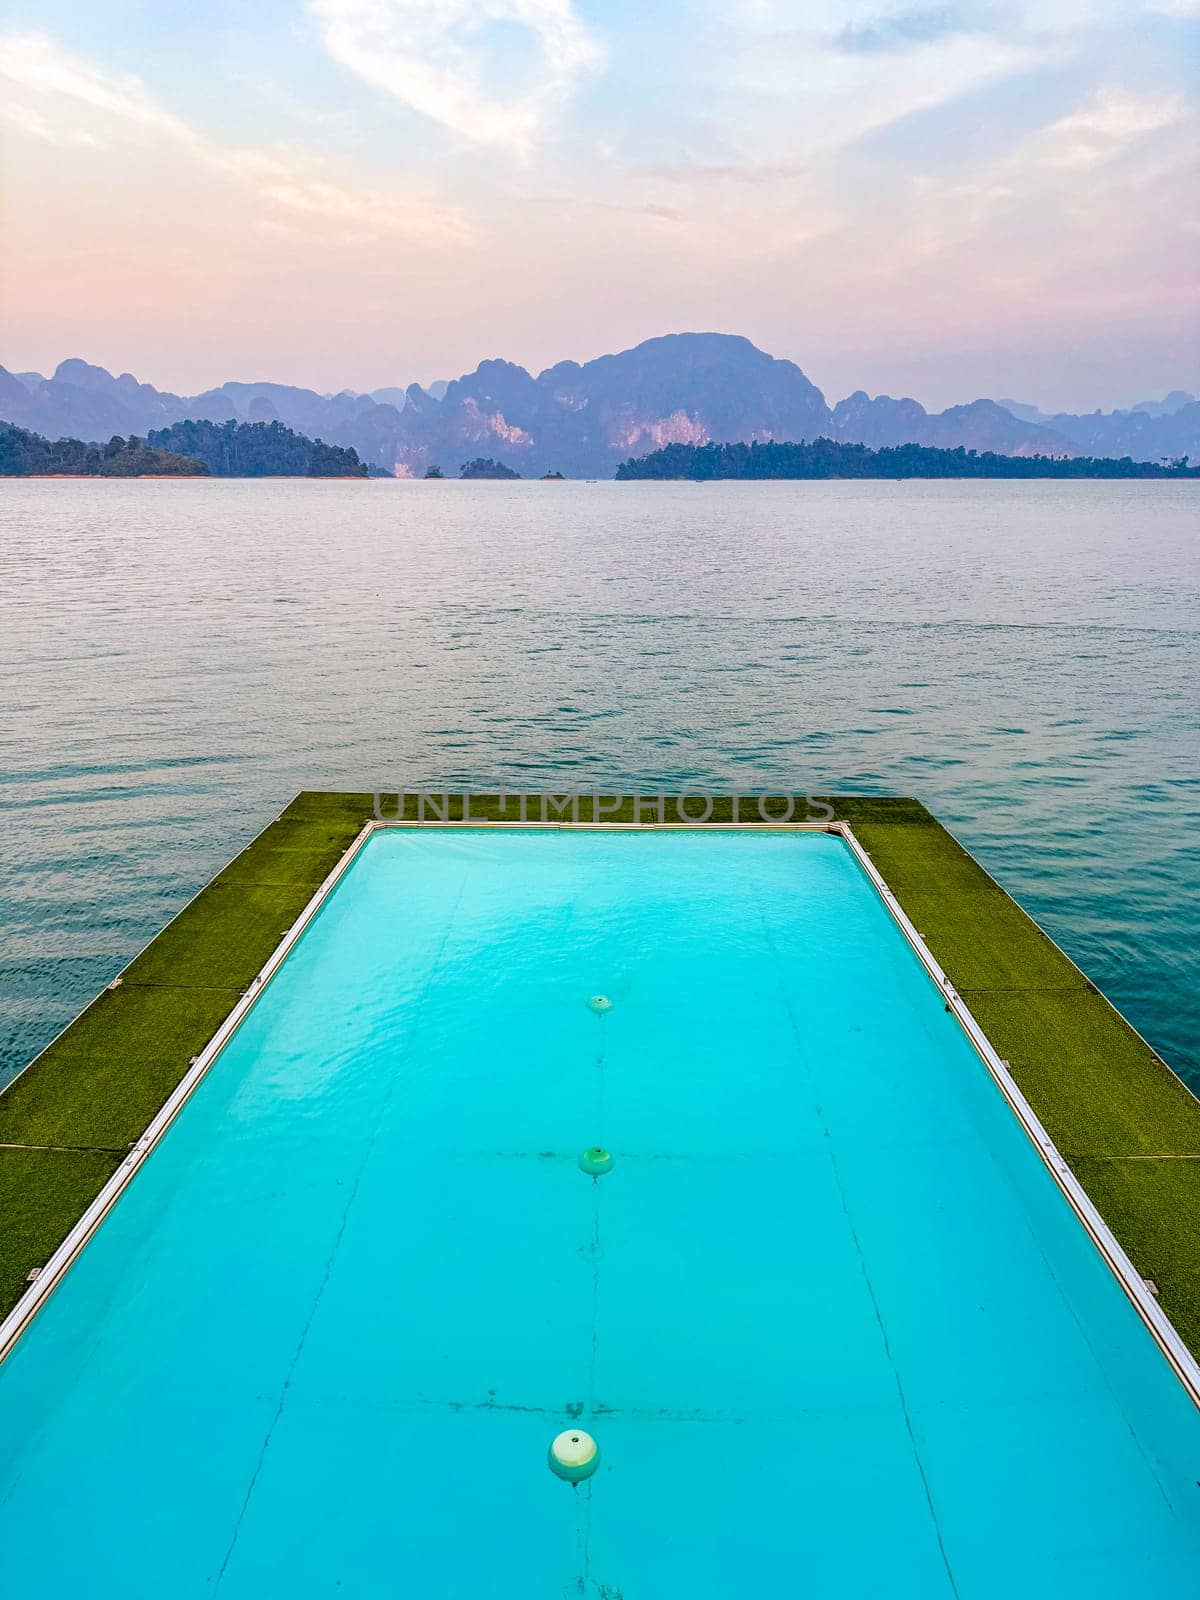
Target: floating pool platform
(889,1281)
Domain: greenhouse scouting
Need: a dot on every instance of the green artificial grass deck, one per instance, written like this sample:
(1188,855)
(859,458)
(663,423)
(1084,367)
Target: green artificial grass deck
(42,1195)
(1127,1125)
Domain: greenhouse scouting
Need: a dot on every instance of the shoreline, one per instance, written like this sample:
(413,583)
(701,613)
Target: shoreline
(290,477)
(190,477)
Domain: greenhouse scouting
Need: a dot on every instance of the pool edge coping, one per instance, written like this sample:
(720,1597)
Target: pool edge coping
(1178,1355)
(1175,1351)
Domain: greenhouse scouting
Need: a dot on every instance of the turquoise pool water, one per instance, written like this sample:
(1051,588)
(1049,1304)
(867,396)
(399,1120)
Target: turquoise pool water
(833,1326)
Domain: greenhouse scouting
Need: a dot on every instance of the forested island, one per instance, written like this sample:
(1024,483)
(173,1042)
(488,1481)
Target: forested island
(258,450)
(826,458)
(26,455)
(185,450)
(486,467)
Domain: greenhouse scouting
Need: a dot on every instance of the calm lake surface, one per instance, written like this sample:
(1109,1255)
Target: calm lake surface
(178,659)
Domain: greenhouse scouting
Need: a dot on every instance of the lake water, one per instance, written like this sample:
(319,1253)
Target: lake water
(178,659)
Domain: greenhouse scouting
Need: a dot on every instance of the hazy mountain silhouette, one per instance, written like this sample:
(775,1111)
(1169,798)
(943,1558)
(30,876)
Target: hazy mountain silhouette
(983,425)
(583,420)
(1147,431)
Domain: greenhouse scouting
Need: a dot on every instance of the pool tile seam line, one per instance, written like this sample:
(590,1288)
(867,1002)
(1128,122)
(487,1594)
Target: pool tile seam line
(830,1151)
(335,1248)
(1180,1358)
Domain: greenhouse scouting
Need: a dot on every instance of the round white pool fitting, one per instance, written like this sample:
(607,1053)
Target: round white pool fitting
(574,1455)
(600,1003)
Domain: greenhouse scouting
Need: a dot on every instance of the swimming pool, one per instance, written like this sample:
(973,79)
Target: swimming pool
(832,1323)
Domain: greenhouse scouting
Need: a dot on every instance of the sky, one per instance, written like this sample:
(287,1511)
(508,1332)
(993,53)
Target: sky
(938,199)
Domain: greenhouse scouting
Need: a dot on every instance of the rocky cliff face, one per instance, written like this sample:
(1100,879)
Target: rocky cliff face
(583,420)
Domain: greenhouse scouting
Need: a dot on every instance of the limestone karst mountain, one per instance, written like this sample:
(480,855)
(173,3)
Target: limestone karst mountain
(584,419)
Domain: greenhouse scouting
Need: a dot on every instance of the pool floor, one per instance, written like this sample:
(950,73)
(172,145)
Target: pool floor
(833,1326)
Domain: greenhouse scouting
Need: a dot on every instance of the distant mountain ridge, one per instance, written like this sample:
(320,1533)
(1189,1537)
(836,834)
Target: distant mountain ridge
(584,419)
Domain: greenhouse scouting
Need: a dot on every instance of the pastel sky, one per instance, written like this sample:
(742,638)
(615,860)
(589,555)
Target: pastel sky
(938,199)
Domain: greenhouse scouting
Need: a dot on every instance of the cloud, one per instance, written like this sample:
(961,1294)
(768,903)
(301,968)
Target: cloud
(28,120)
(1042,196)
(64,90)
(434,55)
(1101,130)
(906,30)
(33,62)
(811,98)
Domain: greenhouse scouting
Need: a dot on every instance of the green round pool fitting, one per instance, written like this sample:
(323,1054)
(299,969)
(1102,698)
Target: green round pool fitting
(600,1003)
(596,1162)
(574,1455)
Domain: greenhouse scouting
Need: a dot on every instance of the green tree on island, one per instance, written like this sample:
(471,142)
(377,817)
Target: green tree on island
(486,467)
(259,450)
(827,458)
(184,450)
(24,454)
